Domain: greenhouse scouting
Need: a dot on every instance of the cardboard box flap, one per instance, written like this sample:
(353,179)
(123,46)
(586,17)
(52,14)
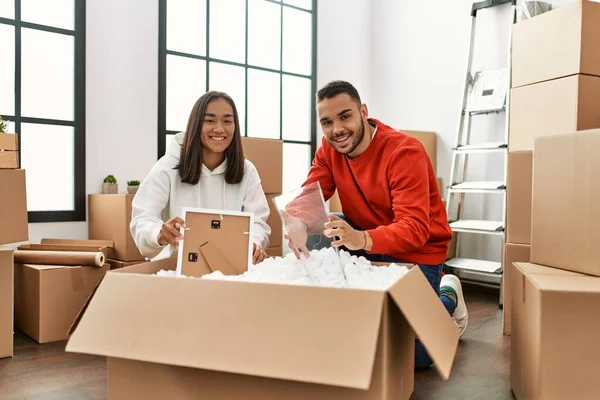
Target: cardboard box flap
(78,242)
(429,319)
(48,267)
(307,334)
(60,247)
(566,283)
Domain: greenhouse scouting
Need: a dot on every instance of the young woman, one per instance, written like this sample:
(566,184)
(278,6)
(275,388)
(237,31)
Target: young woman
(203,167)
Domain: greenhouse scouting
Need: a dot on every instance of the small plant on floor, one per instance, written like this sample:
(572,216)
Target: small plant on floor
(133,186)
(3,125)
(110,185)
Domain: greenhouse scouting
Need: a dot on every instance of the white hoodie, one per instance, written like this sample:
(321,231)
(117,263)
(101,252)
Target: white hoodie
(163,193)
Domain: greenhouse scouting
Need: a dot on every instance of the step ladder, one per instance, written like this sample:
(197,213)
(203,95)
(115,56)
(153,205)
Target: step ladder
(485,92)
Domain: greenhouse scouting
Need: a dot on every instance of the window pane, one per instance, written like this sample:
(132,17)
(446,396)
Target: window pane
(231,80)
(47,155)
(297,40)
(264,34)
(186,26)
(57,13)
(296,108)
(186,82)
(7,9)
(306,4)
(263,104)
(7,66)
(228,30)
(47,92)
(296,164)
(168,139)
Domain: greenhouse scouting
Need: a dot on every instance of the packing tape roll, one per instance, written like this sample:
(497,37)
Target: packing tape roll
(87,258)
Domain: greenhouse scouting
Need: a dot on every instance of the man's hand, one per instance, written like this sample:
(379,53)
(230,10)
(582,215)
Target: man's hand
(258,254)
(296,235)
(348,236)
(169,232)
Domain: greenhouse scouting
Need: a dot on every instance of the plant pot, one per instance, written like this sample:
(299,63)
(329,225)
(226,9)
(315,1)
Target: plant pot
(110,188)
(132,189)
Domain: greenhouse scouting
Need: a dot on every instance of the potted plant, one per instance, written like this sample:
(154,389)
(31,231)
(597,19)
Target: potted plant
(3,125)
(133,186)
(110,185)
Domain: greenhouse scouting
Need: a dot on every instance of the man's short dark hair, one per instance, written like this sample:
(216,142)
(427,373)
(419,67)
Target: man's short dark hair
(334,88)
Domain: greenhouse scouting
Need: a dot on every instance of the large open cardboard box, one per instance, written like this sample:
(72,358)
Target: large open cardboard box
(554,354)
(566,199)
(6,302)
(542,51)
(186,338)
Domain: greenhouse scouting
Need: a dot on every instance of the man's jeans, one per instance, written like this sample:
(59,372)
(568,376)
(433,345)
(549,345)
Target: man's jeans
(433,273)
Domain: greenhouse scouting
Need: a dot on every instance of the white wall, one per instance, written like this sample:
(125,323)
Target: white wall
(121,99)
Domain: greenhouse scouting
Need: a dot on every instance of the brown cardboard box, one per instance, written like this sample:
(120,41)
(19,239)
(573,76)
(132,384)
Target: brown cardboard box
(109,219)
(566,199)
(208,357)
(274,221)
(541,52)
(6,302)
(429,141)
(518,196)
(553,351)
(274,251)
(13,206)
(116,264)
(558,106)
(49,297)
(267,157)
(512,253)
(9,155)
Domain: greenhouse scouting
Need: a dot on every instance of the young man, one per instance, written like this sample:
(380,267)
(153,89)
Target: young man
(393,210)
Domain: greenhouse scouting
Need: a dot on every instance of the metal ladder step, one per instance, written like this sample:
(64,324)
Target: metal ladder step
(472,264)
(481,147)
(478,187)
(477,226)
(489,111)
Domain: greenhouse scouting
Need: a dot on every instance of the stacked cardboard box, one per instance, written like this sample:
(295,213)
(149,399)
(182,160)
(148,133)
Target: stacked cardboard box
(13,229)
(109,219)
(555,87)
(556,298)
(48,297)
(9,154)
(267,157)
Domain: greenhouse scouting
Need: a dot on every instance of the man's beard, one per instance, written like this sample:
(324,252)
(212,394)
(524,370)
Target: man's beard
(356,140)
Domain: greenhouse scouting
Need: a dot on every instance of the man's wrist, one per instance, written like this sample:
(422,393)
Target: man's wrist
(368,241)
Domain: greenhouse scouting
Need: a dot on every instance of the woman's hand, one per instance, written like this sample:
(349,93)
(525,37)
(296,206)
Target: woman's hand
(169,232)
(258,254)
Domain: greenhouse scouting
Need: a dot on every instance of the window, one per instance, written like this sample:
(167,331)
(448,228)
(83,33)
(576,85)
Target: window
(43,98)
(261,52)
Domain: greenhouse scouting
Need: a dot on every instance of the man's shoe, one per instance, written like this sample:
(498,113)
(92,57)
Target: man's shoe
(450,285)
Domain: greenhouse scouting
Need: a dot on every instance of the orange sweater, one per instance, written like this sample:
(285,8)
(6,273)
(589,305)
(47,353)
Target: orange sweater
(390,191)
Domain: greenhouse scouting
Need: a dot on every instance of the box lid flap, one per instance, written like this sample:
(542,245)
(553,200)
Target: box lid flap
(429,319)
(60,247)
(78,242)
(566,283)
(40,267)
(307,334)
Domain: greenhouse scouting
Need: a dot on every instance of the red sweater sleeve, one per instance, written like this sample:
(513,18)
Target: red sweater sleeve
(303,207)
(409,181)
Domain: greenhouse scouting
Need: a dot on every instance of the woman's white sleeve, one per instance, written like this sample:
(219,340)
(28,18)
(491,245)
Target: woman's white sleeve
(148,204)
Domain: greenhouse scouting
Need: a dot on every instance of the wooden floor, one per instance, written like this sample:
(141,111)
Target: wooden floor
(481,367)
